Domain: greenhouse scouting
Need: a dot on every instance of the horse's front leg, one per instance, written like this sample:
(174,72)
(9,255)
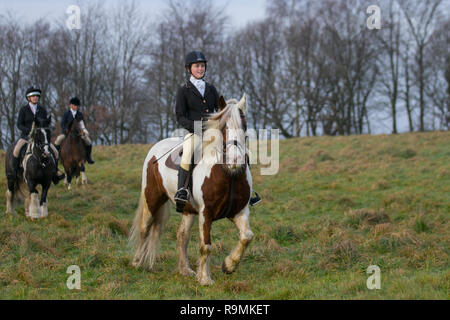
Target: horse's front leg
(183,235)
(203,271)
(44,203)
(35,209)
(242,222)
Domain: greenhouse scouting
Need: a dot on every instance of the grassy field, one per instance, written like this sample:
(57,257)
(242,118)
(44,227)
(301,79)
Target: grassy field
(337,206)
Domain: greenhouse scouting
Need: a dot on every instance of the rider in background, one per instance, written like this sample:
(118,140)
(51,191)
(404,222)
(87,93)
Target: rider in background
(196,99)
(70,115)
(27,114)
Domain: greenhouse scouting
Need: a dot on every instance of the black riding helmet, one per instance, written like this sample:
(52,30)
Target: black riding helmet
(194,57)
(32,91)
(75,101)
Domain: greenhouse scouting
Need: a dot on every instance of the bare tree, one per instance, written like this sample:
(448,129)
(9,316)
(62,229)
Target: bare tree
(14,49)
(422,17)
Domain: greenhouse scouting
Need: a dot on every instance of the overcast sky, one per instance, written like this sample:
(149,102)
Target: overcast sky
(240,11)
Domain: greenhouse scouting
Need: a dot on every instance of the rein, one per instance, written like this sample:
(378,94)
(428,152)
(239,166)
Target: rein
(173,148)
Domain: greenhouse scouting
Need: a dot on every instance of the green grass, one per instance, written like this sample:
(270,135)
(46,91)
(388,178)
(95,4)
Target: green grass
(336,206)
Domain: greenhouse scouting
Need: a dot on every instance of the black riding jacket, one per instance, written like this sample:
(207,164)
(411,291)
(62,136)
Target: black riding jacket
(191,106)
(26,118)
(68,118)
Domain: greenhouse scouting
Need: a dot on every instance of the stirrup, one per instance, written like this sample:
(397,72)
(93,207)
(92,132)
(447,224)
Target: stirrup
(181,198)
(182,195)
(255,200)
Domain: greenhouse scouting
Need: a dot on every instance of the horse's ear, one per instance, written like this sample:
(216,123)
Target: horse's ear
(243,103)
(222,103)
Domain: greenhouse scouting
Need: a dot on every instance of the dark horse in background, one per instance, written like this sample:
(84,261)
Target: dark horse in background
(38,167)
(73,153)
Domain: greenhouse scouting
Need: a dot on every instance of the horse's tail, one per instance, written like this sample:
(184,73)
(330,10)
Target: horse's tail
(146,232)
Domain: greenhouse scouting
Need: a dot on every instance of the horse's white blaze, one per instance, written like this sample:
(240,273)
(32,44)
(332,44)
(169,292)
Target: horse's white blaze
(46,149)
(235,153)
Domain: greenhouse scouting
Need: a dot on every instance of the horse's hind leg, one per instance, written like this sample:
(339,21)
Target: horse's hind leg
(241,221)
(203,270)
(10,198)
(183,235)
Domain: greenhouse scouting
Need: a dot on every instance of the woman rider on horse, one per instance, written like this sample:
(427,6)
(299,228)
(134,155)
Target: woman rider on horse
(196,99)
(27,114)
(70,115)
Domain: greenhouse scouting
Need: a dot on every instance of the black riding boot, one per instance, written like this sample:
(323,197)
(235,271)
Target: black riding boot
(58,148)
(182,195)
(57,177)
(88,154)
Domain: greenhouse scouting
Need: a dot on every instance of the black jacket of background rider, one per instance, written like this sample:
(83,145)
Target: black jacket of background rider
(26,118)
(68,118)
(191,106)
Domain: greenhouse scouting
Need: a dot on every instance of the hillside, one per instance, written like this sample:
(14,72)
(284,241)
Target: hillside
(336,206)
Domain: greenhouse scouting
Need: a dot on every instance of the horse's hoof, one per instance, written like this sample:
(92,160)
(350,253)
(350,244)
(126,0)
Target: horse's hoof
(11,211)
(206,282)
(225,269)
(188,272)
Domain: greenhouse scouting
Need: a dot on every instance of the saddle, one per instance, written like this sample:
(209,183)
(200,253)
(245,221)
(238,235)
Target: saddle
(173,162)
(174,159)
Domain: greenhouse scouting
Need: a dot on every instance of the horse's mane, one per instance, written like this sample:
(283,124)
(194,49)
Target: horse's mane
(230,111)
(218,121)
(72,127)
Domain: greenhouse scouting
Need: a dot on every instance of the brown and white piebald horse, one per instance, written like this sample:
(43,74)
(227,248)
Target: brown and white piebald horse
(221,187)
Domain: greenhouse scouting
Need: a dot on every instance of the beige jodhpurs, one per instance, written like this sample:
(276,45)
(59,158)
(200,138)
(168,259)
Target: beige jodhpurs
(19,146)
(85,138)
(189,145)
(22,142)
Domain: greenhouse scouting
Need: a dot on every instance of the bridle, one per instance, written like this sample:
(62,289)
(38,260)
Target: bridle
(37,149)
